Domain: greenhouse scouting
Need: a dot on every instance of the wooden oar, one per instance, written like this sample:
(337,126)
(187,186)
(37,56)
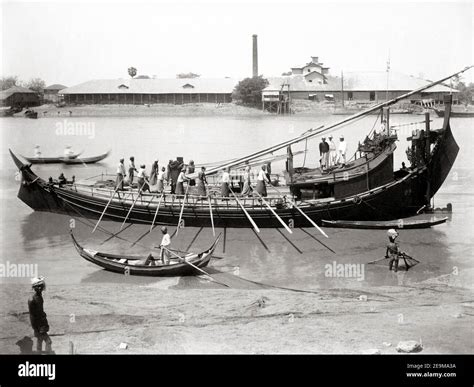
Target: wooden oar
(273,212)
(131,207)
(245,212)
(156,212)
(302,213)
(195,267)
(210,209)
(105,209)
(182,209)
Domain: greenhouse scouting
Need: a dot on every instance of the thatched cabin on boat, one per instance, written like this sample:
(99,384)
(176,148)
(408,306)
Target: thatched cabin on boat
(151,91)
(370,87)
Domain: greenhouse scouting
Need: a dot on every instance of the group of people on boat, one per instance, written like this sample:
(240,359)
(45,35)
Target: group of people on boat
(331,156)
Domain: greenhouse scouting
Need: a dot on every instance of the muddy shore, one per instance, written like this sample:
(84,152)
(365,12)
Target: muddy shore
(158,319)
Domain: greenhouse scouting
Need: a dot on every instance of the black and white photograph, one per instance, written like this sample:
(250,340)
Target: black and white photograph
(237,178)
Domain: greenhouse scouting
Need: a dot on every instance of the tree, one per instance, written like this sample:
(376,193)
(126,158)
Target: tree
(132,71)
(36,84)
(249,90)
(7,82)
(465,92)
(286,74)
(187,75)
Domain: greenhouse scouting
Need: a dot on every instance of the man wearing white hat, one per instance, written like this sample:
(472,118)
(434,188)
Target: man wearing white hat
(38,319)
(341,155)
(393,252)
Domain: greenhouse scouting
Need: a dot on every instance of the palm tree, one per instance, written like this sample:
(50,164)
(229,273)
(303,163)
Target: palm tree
(132,71)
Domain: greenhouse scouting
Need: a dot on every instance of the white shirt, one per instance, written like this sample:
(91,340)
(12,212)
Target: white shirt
(262,176)
(342,147)
(68,152)
(37,152)
(226,177)
(166,241)
(121,169)
(141,173)
(332,146)
(181,177)
(161,175)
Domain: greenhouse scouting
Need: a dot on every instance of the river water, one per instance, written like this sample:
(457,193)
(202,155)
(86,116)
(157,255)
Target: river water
(277,258)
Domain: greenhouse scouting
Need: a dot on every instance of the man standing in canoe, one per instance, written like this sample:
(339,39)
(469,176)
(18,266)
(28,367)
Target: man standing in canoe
(225,188)
(38,319)
(165,245)
(202,183)
(37,151)
(120,175)
(261,180)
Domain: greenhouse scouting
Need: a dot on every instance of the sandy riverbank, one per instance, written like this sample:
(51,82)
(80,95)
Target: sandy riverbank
(166,318)
(299,107)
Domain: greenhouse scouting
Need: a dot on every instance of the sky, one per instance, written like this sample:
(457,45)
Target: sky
(71,42)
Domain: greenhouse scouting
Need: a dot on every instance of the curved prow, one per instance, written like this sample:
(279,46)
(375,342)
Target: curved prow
(214,245)
(16,160)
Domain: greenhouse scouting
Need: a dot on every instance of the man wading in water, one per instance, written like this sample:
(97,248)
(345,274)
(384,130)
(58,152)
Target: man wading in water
(393,251)
(38,320)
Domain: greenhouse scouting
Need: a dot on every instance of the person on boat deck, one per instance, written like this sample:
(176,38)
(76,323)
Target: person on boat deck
(341,153)
(261,180)
(404,167)
(180,182)
(189,170)
(225,188)
(142,179)
(131,170)
(62,179)
(383,126)
(247,189)
(393,251)
(332,152)
(68,152)
(202,183)
(324,153)
(154,172)
(37,151)
(120,175)
(161,180)
(38,319)
(164,246)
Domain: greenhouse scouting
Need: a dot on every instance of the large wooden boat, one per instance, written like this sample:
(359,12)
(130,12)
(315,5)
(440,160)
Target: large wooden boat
(134,264)
(433,153)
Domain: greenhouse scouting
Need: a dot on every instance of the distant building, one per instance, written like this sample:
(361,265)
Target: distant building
(150,91)
(19,96)
(51,93)
(313,71)
(372,87)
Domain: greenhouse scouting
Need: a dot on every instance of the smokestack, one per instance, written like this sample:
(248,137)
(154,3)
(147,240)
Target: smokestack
(255,57)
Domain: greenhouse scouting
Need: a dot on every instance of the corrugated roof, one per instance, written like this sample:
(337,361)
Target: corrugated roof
(154,86)
(4,94)
(359,81)
(55,86)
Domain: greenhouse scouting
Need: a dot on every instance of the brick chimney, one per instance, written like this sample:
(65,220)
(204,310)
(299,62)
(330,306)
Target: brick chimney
(254,57)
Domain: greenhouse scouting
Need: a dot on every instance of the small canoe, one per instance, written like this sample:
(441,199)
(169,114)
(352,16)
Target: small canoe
(50,160)
(133,264)
(456,113)
(383,225)
(85,160)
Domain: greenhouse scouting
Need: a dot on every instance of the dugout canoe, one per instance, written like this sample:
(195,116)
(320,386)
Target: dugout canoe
(384,225)
(133,264)
(50,160)
(86,160)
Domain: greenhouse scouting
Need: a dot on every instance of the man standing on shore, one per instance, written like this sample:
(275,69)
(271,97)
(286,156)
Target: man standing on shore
(38,320)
